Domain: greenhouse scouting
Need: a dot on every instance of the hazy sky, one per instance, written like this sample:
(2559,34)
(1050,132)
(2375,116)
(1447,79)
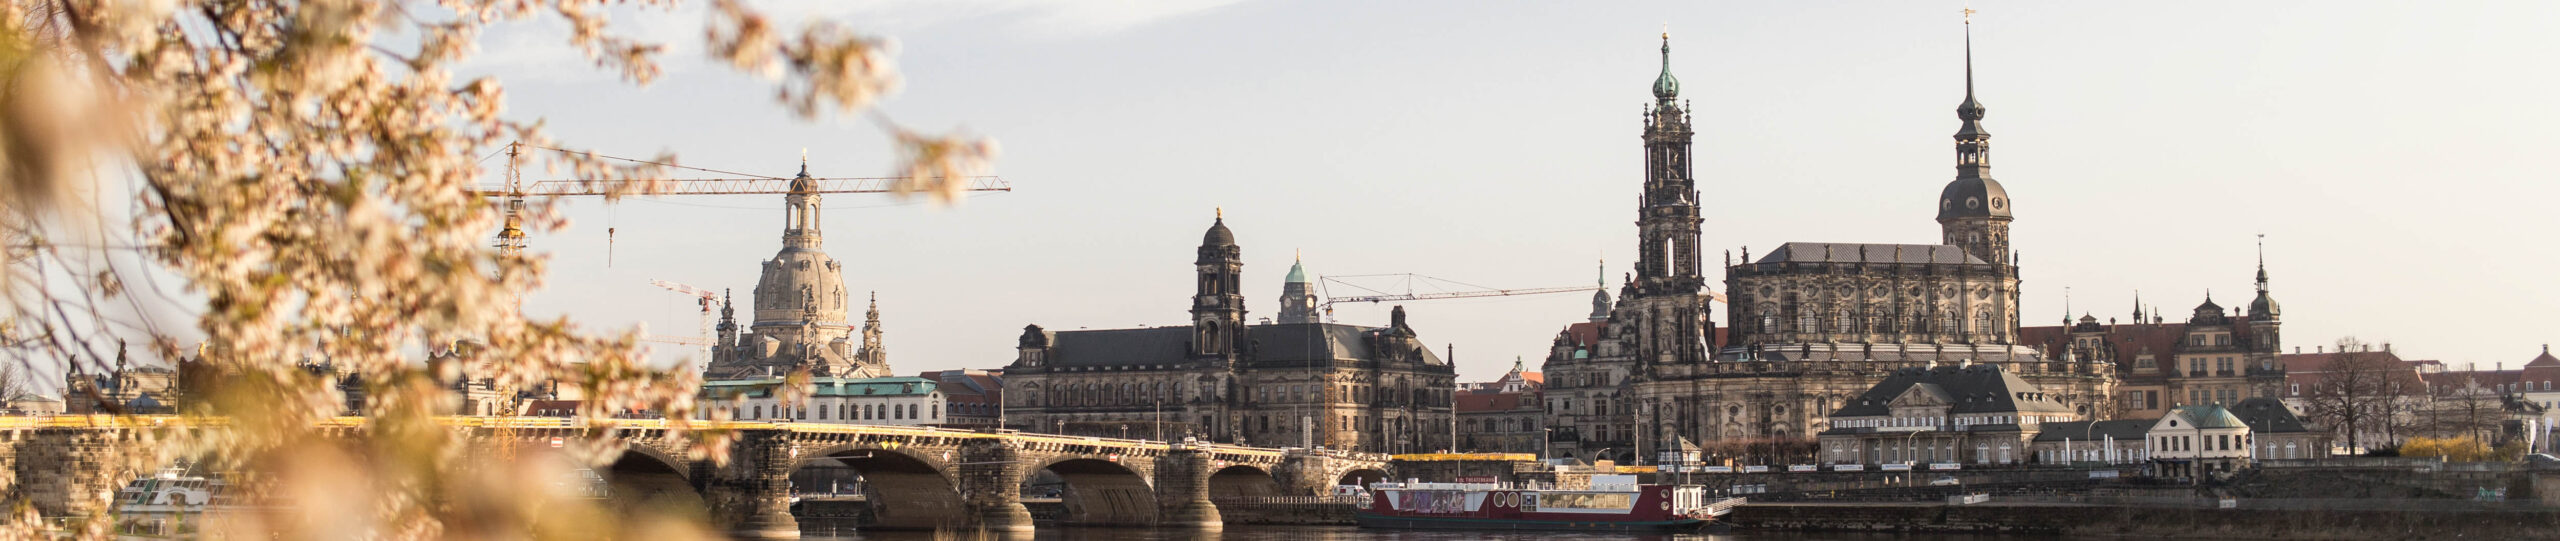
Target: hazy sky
(2396,155)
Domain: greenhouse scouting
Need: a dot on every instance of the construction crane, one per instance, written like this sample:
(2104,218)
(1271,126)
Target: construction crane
(511,237)
(1408,293)
(703,297)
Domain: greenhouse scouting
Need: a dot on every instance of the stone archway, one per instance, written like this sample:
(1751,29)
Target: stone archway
(889,490)
(1099,492)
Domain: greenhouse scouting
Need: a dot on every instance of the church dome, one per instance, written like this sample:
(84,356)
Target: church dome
(1973,197)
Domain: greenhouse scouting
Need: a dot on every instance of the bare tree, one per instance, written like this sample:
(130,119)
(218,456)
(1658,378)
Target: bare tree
(13,383)
(2465,411)
(2356,391)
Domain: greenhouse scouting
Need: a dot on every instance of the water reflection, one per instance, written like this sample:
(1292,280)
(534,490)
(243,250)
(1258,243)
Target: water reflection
(1348,533)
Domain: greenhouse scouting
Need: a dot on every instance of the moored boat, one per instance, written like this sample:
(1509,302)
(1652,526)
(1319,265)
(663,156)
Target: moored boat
(1612,503)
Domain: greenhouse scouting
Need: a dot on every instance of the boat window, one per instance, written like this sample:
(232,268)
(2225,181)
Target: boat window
(1571,500)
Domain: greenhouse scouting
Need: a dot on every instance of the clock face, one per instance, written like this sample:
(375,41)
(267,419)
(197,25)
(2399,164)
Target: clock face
(1972,203)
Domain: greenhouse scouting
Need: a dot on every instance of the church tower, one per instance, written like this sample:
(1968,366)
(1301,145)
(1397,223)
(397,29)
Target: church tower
(1668,314)
(1974,210)
(872,354)
(1217,310)
(1297,301)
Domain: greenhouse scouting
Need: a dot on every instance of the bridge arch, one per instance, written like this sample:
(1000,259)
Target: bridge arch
(1361,477)
(1099,492)
(1242,481)
(899,489)
(646,480)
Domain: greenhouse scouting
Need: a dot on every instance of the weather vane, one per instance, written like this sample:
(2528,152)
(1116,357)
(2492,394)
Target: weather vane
(1968,13)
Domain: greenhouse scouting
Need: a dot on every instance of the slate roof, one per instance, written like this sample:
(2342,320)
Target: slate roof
(2078,431)
(1831,252)
(1274,343)
(2268,416)
(1968,390)
(1119,347)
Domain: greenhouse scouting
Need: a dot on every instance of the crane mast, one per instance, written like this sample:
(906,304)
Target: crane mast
(703,297)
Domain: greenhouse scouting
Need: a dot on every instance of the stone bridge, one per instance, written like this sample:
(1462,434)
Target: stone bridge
(913,477)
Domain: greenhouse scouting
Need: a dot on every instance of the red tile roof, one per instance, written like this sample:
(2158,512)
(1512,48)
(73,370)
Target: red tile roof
(1584,333)
(2129,340)
(1493,402)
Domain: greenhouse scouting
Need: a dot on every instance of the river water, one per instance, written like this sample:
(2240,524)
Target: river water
(1349,533)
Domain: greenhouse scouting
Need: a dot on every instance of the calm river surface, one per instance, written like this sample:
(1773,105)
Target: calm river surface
(1349,533)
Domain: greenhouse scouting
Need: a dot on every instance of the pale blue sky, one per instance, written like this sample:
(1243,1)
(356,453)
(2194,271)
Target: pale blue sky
(2395,155)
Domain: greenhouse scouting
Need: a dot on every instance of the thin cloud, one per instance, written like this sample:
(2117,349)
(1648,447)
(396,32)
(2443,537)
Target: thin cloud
(1043,18)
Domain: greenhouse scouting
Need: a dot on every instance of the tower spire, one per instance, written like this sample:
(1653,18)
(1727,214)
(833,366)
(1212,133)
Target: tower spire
(2262,262)
(1666,87)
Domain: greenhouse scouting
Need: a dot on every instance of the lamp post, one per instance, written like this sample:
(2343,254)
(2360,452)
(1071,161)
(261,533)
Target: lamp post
(1547,443)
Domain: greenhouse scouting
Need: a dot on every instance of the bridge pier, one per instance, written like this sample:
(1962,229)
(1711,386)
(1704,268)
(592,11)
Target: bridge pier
(70,472)
(990,482)
(1182,490)
(757,487)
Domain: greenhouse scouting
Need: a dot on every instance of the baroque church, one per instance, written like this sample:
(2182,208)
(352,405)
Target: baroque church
(1294,381)
(1810,326)
(801,313)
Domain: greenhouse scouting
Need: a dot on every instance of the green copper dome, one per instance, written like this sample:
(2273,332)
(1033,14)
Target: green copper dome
(1297,273)
(1666,86)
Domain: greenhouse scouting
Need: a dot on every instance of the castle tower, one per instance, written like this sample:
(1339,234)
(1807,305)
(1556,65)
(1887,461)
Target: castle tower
(2264,313)
(1600,298)
(1974,211)
(1297,300)
(1217,309)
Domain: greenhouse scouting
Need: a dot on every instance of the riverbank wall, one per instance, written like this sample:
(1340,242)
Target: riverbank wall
(2154,522)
